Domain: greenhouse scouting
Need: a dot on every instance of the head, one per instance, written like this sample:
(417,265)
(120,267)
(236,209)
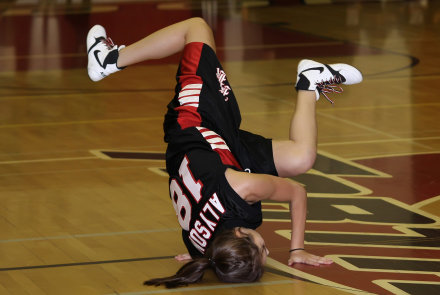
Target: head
(239,255)
(256,238)
(236,256)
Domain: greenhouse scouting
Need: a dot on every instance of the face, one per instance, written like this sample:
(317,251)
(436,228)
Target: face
(258,240)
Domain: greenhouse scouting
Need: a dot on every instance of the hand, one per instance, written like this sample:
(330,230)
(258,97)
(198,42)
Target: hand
(301,256)
(182,257)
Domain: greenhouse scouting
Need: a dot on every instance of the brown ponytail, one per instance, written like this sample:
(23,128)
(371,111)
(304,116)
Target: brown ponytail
(233,259)
(191,272)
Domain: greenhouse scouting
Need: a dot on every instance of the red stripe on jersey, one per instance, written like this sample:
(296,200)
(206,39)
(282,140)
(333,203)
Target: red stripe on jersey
(188,115)
(227,158)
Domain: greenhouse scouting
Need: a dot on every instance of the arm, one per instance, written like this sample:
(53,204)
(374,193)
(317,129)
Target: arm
(256,187)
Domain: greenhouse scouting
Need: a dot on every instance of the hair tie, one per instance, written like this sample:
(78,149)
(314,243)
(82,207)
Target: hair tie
(296,249)
(212,262)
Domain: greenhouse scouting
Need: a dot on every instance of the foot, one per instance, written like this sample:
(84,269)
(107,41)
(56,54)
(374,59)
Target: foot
(321,78)
(102,53)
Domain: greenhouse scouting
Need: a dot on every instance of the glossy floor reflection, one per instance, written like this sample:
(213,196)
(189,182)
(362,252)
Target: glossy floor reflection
(84,205)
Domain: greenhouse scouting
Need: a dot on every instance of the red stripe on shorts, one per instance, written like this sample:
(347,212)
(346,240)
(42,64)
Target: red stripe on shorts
(226,156)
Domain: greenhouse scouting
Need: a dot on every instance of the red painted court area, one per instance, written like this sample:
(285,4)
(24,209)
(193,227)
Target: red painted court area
(395,251)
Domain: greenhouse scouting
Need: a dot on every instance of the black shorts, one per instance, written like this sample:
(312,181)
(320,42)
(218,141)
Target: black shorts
(204,98)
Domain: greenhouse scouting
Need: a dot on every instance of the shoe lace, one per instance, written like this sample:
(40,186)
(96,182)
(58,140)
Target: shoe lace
(328,86)
(108,42)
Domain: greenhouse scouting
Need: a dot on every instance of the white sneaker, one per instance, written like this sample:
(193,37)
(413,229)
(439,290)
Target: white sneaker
(321,78)
(102,54)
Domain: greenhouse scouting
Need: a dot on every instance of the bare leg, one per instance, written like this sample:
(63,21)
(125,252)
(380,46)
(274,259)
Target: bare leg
(297,155)
(167,41)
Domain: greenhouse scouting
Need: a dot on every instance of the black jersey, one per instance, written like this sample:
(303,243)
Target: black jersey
(203,199)
(204,139)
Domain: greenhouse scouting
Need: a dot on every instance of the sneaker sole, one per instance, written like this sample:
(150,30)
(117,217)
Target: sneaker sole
(93,75)
(94,32)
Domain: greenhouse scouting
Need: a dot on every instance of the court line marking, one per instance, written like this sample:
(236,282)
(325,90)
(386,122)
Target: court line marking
(370,244)
(223,286)
(69,93)
(47,160)
(377,173)
(144,147)
(79,122)
(90,235)
(386,284)
(425,202)
(337,178)
(378,141)
(339,259)
(75,170)
(276,264)
(100,154)
(393,155)
(83,263)
(402,227)
(97,155)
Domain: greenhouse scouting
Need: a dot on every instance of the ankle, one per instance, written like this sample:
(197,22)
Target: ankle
(307,95)
(121,62)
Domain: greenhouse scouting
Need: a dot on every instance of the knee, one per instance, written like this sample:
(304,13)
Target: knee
(199,31)
(200,23)
(299,163)
(305,161)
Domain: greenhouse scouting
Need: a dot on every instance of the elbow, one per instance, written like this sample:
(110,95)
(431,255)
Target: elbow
(299,193)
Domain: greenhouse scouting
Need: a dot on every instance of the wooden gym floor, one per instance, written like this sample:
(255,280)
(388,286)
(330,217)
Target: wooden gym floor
(84,205)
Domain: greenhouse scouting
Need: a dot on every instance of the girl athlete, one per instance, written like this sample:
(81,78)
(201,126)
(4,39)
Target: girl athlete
(219,174)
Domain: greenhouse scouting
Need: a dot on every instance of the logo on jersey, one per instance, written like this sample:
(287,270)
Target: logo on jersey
(221,76)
